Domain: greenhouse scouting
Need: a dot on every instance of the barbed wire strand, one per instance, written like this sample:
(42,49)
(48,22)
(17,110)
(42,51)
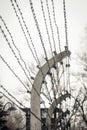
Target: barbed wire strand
(65,23)
(23,30)
(64,83)
(37,25)
(51,25)
(14,44)
(69,75)
(10,95)
(12,50)
(66,34)
(57,28)
(56,83)
(67,46)
(10,99)
(57,73)
(53,84)
(66,38)
(45,21)
(21,14)
(13,72)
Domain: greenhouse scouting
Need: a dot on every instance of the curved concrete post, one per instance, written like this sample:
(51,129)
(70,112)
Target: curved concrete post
(36,88)
(52,107)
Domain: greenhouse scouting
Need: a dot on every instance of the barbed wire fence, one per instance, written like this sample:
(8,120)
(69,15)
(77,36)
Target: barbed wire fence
(59,70)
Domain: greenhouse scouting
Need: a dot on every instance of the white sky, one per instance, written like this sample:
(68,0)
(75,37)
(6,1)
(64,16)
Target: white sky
(76,19)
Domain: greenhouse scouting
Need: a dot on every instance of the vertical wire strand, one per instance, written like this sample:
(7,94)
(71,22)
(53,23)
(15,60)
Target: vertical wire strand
(45,21)
(12,50)
(46,30)
(52,28)
(57,28)
(65,23)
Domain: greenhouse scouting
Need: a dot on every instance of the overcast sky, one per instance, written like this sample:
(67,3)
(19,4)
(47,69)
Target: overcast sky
(76,21)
